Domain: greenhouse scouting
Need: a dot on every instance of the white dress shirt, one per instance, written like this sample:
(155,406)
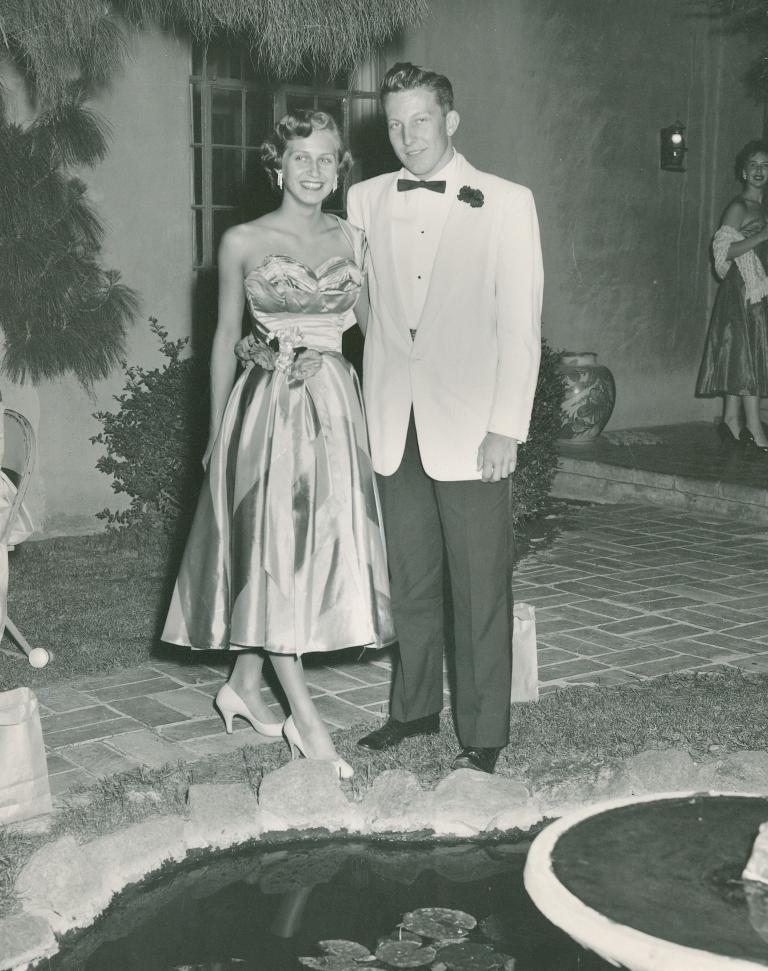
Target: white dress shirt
(418,218)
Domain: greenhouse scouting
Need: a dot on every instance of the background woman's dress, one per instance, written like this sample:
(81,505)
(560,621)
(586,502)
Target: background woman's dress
(286,551)
(735,357)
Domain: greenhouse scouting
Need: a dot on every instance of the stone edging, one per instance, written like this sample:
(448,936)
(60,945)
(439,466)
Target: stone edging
(65,885)
(595,481)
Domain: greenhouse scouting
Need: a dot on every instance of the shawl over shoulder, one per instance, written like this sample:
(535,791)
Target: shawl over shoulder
(750,267)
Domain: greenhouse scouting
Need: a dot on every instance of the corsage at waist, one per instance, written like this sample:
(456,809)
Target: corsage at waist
(288,342)
(317,332)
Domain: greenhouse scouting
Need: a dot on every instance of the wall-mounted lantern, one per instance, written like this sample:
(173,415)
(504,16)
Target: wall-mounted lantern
(673,148)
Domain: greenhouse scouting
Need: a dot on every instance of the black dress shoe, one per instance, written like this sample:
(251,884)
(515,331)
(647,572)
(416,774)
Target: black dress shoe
(393,732)
(480,759)
(749,440)
(727,437)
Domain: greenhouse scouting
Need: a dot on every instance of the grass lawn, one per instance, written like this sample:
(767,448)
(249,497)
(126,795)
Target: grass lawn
(97,602)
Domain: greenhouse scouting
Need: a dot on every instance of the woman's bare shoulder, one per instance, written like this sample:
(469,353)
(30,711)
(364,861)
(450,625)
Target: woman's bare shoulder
(246,234)
(734,213)
(247,242)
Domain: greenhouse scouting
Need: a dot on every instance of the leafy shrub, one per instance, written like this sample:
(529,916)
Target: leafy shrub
(155,440)
(537,460)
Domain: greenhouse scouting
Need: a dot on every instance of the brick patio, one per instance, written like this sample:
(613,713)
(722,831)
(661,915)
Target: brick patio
(624,593)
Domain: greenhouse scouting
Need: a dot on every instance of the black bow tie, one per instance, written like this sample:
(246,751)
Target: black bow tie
(405,185)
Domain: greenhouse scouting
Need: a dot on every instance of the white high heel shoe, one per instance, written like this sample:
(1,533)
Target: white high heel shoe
(229,703)
(292,736)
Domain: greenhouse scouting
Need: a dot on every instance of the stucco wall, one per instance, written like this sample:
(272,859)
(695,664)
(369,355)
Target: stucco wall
(567,97)
(141,191)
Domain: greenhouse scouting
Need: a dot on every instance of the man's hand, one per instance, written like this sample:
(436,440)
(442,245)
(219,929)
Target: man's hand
(497,457)
(252,351)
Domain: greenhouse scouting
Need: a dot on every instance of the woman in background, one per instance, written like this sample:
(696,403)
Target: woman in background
(286,552)
(735,362)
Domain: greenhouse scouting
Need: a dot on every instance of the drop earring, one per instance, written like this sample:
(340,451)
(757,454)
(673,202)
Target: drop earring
(280,180)
(335,184)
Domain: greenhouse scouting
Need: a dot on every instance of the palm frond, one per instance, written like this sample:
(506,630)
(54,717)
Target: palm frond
(105,48)
(60,311)
(58,40)
(45,202)
(23,263)
(70,132)
(84,226)
(85,338)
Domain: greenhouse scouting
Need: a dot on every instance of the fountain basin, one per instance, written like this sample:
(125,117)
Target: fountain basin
(654,884)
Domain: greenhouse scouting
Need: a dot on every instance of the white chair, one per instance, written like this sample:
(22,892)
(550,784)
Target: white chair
(18,450)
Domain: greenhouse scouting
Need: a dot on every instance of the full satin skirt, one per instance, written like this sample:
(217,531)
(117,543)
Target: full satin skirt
(735,359)
(286,550)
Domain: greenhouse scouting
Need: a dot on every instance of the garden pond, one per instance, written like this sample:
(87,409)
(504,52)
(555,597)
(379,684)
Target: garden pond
(334,905)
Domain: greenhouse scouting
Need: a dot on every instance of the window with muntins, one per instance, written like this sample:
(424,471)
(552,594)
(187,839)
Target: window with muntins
(234,107)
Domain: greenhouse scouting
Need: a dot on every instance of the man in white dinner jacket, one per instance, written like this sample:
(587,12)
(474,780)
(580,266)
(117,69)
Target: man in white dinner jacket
(450,365)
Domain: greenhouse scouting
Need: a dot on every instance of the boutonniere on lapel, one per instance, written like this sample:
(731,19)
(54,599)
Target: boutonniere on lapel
(473,197)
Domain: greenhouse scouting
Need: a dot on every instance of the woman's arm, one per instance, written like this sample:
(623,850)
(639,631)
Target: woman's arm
(228,329)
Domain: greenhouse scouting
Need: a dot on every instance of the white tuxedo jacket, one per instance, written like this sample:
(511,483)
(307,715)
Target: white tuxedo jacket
(473,365)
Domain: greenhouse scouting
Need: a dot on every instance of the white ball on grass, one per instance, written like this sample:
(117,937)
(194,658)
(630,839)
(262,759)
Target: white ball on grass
(38,657)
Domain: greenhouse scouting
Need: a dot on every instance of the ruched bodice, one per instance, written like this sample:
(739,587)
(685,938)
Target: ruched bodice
(285,296)
(287,551)
(282,284)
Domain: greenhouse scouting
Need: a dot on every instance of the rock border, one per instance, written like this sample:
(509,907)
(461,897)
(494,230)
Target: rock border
(65,886)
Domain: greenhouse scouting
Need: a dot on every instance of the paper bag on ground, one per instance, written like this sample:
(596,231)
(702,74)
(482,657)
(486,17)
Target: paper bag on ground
(24,786)
(525,668)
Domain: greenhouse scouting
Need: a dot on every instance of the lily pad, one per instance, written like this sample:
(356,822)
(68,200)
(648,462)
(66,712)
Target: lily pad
(341,955)
(439,923)
(469,956)
(348,949)
(405,954)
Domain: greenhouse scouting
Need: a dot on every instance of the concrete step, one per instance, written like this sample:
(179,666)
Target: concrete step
(683,467)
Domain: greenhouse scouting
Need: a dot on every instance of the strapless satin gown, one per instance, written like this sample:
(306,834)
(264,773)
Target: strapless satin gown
(735,359)
(286,551)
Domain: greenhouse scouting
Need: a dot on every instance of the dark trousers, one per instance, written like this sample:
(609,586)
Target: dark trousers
(471,521)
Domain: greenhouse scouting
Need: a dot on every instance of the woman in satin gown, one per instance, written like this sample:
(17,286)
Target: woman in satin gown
(286,552)
(735,361)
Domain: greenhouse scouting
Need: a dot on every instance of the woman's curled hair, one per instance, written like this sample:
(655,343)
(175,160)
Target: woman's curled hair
(300,124)
(751,148)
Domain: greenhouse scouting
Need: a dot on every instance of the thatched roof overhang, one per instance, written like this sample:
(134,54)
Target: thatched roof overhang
(58,40)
